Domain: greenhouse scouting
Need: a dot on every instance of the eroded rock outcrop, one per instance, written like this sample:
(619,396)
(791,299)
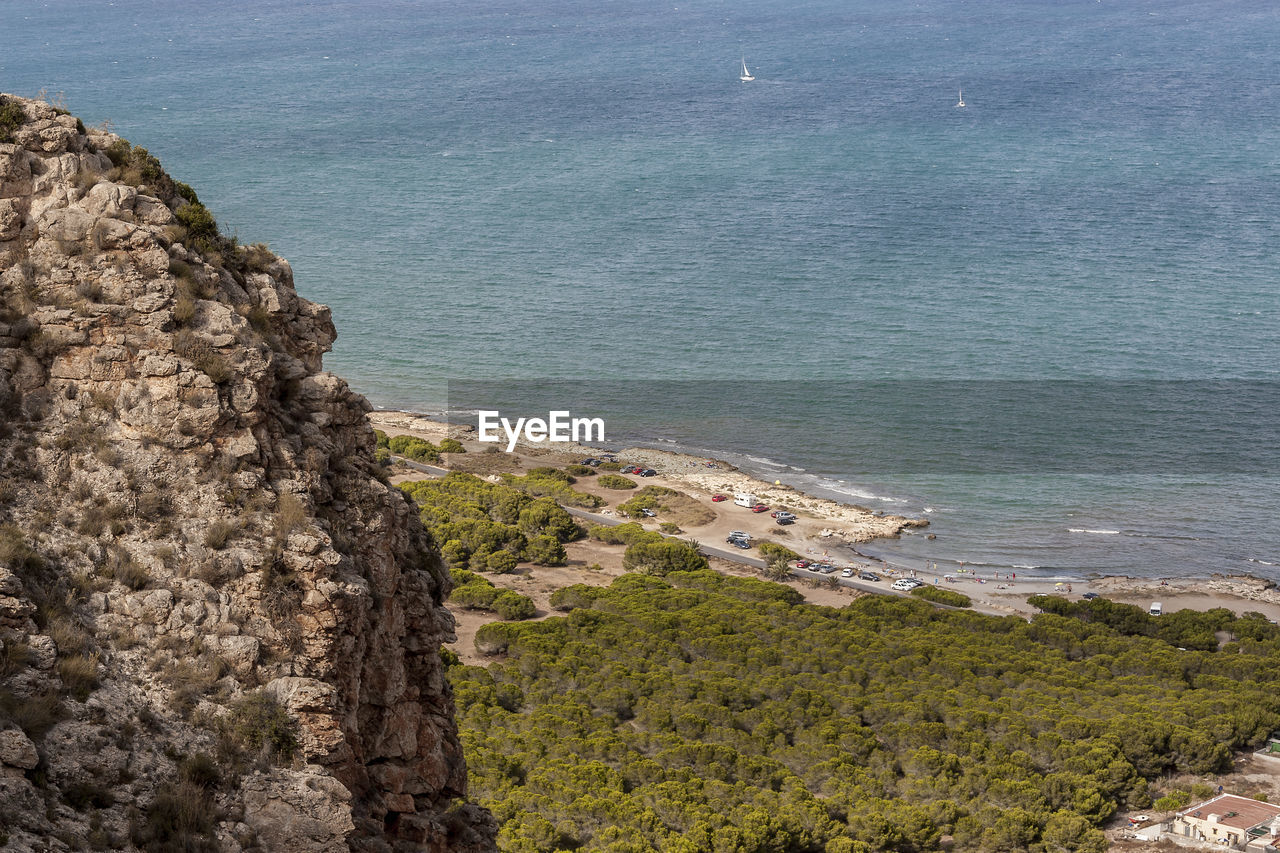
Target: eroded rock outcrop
(207,588)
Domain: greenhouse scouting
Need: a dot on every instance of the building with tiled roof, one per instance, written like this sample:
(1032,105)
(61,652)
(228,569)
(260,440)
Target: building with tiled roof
(1237,822)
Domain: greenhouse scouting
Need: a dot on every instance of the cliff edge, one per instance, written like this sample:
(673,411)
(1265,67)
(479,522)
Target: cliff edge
(220,627)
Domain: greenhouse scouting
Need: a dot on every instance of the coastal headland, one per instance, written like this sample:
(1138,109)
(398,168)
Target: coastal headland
(824,530)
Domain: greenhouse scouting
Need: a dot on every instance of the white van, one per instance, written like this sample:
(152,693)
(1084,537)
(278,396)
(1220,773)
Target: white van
(745,499)
(1155,609)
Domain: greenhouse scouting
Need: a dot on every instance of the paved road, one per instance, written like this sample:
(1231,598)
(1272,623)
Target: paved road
(733,556)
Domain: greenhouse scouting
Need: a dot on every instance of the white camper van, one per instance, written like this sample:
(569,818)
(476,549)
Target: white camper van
(745,499)
(1155,609)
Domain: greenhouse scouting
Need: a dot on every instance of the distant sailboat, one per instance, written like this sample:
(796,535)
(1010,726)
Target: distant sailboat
(960,103)
(746,75)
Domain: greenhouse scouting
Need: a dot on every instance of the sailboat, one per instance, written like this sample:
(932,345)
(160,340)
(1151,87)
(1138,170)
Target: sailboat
(746,75)
(960,103)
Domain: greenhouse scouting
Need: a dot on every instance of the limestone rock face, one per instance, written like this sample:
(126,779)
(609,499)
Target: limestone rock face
(201,563)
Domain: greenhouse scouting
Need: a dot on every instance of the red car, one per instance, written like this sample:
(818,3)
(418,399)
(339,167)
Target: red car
(759,508)
(718,498)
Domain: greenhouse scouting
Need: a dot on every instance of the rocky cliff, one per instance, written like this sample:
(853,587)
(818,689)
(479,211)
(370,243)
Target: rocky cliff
(220,628)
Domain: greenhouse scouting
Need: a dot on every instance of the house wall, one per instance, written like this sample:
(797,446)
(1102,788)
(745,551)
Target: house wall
(1211,832)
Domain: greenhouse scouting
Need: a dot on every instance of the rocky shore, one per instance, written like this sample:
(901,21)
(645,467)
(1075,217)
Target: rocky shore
(219,626)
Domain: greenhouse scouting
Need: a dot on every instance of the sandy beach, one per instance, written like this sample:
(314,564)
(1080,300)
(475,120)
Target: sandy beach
(822,525)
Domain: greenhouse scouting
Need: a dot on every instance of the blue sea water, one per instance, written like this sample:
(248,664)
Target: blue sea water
(585,190)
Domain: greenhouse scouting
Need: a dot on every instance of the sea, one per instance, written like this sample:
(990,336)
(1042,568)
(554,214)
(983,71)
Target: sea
(1047,321)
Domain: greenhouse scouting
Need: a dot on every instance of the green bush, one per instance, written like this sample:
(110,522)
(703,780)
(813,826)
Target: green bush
(1172,801)
(578,595)
(12,117)
(659,558)
(411,447)
(260,724)
(623,534)
(545,550)
(615,481)
(380,439)
(511,606)
(773,551)
(547,473)
(118,152)
(750,715)
(494,638)
(451,445)
(502,562)
(553,483)
(1188,629)
(940,595)
(545,516)
(198,221)
(476,593)
(635,507)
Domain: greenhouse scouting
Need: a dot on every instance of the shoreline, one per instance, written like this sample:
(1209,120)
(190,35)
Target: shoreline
(827,529)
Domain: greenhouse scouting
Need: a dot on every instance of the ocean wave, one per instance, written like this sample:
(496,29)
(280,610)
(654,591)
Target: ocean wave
(1087,530)
(1262,562)
(764,460)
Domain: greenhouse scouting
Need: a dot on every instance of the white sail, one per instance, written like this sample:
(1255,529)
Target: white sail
(746,75)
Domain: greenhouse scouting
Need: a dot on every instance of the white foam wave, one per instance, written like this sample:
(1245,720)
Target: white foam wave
(1087,530)
(762,460)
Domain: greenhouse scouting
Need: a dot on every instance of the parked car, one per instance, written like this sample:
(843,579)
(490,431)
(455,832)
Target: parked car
(631,469)
(591,461)
(646,472)
(780,514)
(847,573)
(1090,596)
(759,508)
(814,567)
(802,564)
(741,543)
(906,584)
(648,512)
(827,568)
(868,576)
(785,521)
(718,498)
(739,534)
